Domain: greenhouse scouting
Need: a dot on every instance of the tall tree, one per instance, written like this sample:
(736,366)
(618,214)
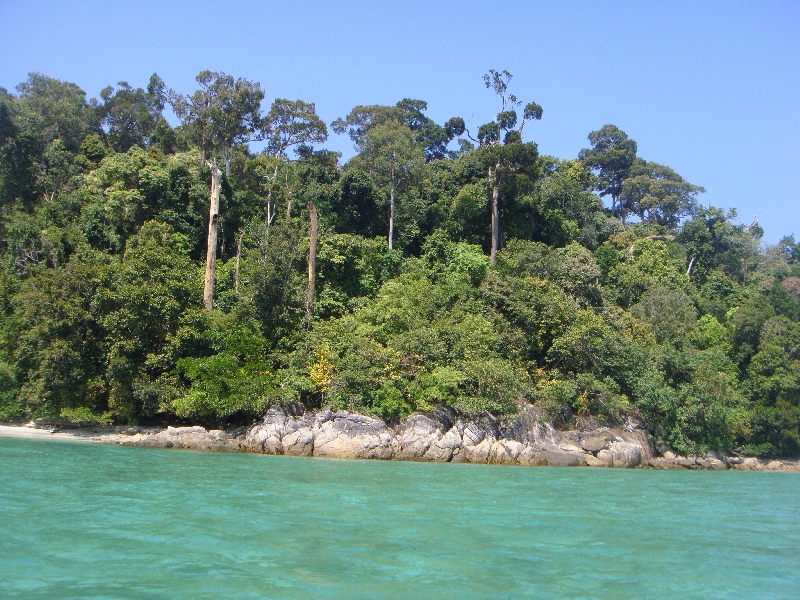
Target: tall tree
(611,156)
(291,123)
(391,155)
(658,194)
(224,113)
(131,115)
(213,226)
(432,137)
(489,140)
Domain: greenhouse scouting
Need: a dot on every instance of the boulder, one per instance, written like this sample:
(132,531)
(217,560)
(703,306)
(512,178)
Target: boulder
(606,457)
(505,452)
(625,455)
(559,458)
(478,453)
(443,448)
(595,442)
(299,442)
(266,436)
(593,461)
(415,436)
(350,435)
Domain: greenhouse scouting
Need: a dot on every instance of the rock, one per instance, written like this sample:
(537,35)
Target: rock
(595,443)
(774,465)
(711,463)
(299,442)
(184,430)
(478,453)
(669,455)
(266,436)
(505,452)
(593,461)
(606,457)
(559,458)
(350,435)
(625,455)
(443,448)
(473,435)
(416,435)
(749,464)
(529,456)
(567,447)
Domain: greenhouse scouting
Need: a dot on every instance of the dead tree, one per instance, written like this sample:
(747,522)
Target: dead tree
(312,259)
(213,225)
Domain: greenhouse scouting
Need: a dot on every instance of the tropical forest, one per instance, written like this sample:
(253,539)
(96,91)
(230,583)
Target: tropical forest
(156,268)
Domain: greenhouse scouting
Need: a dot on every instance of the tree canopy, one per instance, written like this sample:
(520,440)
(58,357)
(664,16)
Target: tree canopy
(437,268)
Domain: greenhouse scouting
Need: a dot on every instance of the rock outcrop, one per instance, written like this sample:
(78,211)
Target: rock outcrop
(525,439)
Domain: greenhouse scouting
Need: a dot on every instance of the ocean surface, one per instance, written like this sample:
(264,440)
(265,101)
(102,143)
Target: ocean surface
(93,521)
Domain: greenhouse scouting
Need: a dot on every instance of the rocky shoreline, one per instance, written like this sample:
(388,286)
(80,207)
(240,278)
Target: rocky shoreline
(437,437)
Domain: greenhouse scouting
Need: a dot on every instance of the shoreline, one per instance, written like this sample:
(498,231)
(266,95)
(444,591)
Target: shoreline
(521,441)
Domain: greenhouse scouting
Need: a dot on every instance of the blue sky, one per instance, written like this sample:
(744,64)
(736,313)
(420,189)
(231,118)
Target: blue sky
(711,89)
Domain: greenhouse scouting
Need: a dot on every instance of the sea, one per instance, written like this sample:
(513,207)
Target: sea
(81,520)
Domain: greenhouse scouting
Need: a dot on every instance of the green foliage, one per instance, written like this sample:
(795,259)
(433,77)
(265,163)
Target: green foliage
(683,318)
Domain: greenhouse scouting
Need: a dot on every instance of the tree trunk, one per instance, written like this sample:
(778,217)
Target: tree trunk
(691,265)
(288,194)
(228,157)
(391,215)
(238,262)
(495,218)
(213,224)
(312,259)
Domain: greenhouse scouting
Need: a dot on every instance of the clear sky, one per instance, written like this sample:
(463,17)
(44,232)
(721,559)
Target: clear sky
(711,89)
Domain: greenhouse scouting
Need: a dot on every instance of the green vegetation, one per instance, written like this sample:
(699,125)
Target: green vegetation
(448,270)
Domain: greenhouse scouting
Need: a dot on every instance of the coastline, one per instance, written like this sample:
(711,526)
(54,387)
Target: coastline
(523,440)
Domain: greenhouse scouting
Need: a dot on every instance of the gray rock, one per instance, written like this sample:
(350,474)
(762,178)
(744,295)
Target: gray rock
(416,435)
(593,461)
(266,436)
(350,435)
(559,458)
(625,455)
(299,442)
(184,430)
(443,448)
(478,453)
(473,435)
(505,452)
(595,443)
(606,457)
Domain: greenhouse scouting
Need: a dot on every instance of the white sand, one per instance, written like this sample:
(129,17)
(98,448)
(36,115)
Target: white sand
(21,431)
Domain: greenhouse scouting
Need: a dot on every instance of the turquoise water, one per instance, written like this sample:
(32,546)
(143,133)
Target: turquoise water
(93,521)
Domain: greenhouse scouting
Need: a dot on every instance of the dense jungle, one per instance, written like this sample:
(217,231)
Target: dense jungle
(160,273)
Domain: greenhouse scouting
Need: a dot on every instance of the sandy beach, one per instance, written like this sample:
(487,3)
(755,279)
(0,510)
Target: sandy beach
(23,431)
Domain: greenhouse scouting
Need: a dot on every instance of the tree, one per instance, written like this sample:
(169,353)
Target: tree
(290,123)
(213,226)
(612,155)
(658,194)
(131,114)
(221,115)
(495,156)
(392,156)
(432,137)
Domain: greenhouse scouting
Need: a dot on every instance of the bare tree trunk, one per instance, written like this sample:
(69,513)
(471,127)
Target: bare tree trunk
(288,193)
(495,219)
(238,261)
(691,266)
(213,223)
(312,259)
(391,216)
